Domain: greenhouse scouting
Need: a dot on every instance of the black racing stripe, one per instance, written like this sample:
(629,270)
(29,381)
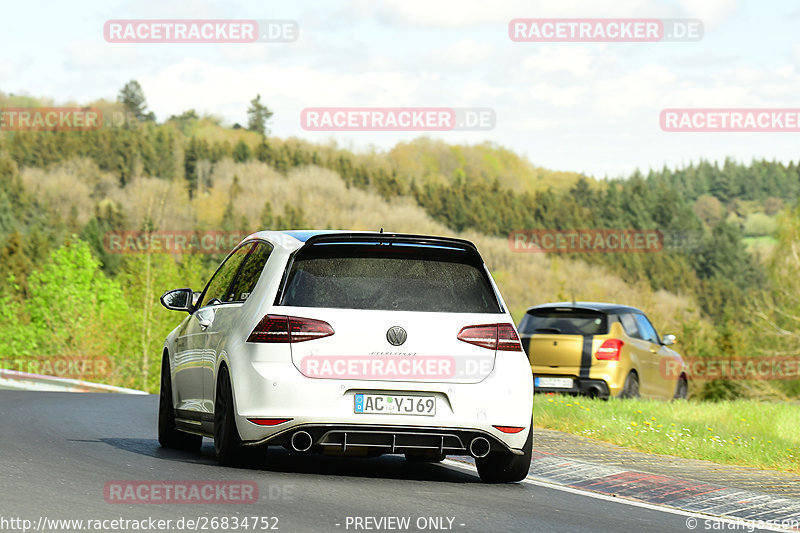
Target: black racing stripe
(526,345)
(586,356)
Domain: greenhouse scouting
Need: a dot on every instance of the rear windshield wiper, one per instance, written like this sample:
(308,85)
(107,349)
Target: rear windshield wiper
(547,330)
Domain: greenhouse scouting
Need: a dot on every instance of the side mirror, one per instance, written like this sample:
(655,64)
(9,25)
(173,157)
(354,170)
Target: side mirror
(178,300)
(666,340)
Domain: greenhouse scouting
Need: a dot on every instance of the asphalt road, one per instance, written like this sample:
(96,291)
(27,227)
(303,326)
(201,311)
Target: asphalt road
(58,452)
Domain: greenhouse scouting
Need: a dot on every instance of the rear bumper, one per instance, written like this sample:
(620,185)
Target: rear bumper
(581,386)
(325,408)
(341,438)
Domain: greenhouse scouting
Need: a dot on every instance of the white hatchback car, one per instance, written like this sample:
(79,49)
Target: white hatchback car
(349,343)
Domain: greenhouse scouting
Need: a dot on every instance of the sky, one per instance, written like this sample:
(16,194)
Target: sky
(577,106)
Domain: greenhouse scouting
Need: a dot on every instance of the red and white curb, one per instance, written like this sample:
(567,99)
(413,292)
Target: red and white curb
(691,498)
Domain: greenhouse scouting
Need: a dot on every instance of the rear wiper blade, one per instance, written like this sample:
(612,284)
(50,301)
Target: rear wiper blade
(547,330)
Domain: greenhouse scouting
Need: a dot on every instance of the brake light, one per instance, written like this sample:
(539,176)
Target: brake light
(609,350)
(492,336)
(306,329)
(507,339)
(283,329)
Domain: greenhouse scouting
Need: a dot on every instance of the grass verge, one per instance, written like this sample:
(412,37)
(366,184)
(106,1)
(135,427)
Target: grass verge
(737,432)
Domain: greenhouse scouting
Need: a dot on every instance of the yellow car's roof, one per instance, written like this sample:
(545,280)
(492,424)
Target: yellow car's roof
(590,306)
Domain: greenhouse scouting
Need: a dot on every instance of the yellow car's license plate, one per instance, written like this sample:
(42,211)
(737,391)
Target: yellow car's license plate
(553,383)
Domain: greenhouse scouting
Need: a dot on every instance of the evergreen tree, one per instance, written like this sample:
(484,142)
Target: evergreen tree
(241,152)
(257,116)
(267,219)
(132,97)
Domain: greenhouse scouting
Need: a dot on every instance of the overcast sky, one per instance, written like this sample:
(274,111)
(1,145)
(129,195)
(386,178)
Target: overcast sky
(586,107)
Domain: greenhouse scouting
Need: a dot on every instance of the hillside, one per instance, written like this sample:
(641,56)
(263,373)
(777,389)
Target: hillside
(193,173)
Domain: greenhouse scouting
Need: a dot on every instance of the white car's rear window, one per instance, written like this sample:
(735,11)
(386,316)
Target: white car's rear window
(401,278)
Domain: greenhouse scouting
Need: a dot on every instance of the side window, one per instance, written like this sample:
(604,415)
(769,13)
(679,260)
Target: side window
(251,271)
(630,326)
(646,329)
(222,279)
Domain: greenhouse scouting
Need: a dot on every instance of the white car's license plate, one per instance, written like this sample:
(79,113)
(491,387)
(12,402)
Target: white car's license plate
(391,404)
(553,383)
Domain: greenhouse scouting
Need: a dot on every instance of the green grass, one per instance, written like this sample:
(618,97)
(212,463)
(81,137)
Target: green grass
(738,432)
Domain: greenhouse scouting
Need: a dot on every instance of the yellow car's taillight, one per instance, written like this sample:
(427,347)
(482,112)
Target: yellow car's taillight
(609,350)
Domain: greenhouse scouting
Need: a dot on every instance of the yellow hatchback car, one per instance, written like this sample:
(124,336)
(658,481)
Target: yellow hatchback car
(600,350)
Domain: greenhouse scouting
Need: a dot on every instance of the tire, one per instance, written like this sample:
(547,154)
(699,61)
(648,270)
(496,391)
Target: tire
(505,467)
(227,443)
(425,457)
(631,387)
(682,390)
(168,436)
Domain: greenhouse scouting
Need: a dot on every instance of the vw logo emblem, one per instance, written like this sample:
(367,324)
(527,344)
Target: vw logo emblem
(396,335)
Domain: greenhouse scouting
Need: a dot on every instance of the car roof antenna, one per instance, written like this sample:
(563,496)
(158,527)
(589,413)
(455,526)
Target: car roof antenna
(381,230)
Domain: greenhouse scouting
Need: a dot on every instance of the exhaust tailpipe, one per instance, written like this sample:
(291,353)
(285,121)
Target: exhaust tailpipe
(301,441)
(479,447)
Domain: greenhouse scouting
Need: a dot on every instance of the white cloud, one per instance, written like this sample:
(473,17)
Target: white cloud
(89,55)
(467,13)
(465,52)
(558,96)
(581,62)
(712,12)
(10,69)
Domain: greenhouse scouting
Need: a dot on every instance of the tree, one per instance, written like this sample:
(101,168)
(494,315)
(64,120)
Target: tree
(132,97)
(773,205)
(263,152)
(722,257)
(190,158)
(91,312)
(185,120)
(16,265)
(241,152)
(777,309)
(708,209)
(228,221)
(267,218)
(109,217)
(257,116)
(293,218)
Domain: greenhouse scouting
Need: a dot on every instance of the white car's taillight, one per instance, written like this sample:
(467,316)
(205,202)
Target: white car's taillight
(289,329)
(492,336)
